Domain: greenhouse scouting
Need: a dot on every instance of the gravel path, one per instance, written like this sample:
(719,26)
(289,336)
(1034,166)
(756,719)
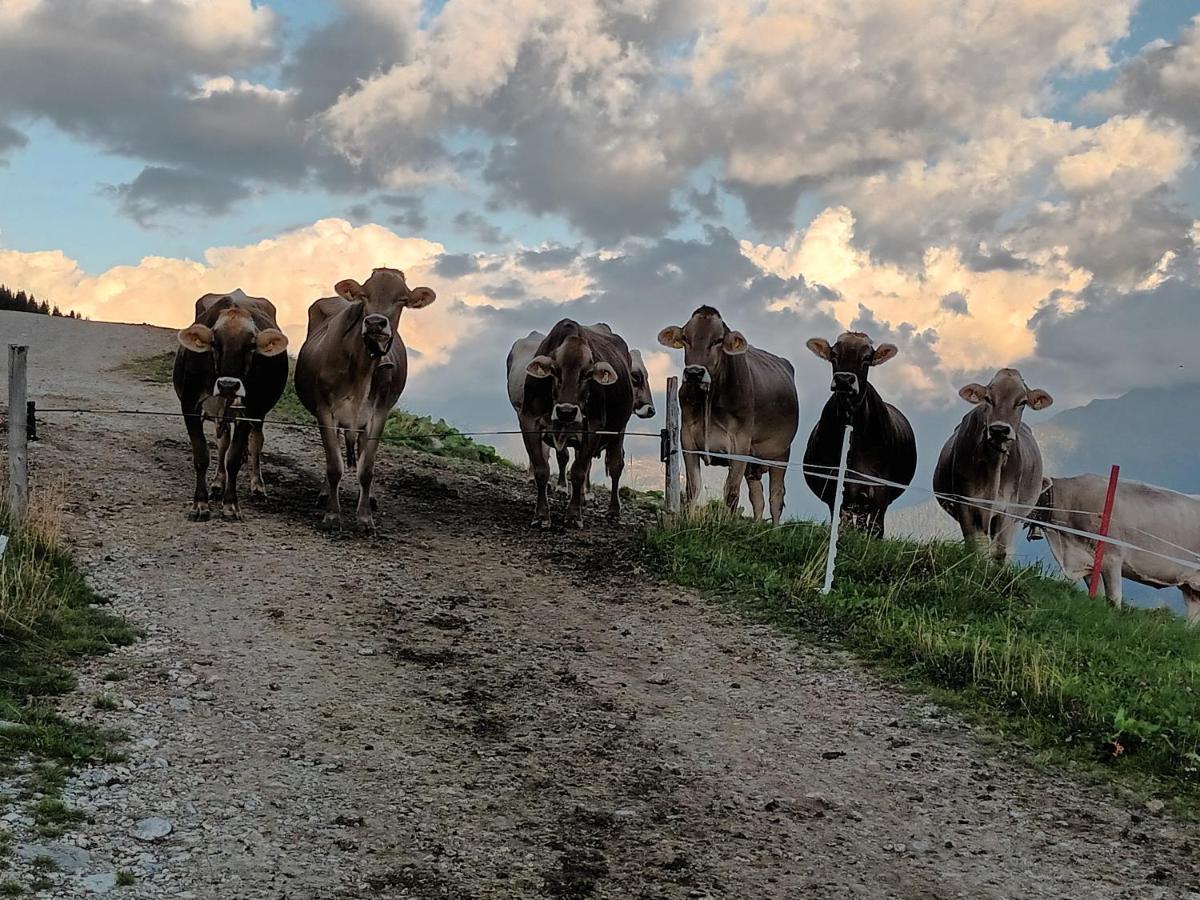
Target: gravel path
(463,708)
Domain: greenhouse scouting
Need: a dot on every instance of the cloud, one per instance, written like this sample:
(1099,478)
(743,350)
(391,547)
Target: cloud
(157,190)
(410,213)
(479,227)
(452,265)
(10,139)
(1163,81)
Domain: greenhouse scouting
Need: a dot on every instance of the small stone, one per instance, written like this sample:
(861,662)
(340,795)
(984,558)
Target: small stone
(366,651)
(1155,806)
(154,828)
(181,704)
(659,678)
(101,883)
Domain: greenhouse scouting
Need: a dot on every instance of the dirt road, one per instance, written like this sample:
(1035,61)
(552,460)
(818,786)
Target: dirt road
(463,708)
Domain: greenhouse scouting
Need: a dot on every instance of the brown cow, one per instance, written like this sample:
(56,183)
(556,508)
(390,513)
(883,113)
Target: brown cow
(350,373)
(992,456)
(576,385)
(735,399)
(230,365)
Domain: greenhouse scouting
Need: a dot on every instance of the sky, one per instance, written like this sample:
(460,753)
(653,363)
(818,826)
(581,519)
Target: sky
(982,183)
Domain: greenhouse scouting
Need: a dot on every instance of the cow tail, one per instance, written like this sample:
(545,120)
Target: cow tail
(707,423)
(351,452)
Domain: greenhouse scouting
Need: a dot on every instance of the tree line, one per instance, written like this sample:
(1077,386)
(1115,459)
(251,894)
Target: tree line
(19,301)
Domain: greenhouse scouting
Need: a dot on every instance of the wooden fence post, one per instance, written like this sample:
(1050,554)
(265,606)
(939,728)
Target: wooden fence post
(673,447)
(1105,521)
(836,519)
(18,456)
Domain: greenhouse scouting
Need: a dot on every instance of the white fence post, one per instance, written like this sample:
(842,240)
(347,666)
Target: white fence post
(18,412)
(673,447)
(836,520)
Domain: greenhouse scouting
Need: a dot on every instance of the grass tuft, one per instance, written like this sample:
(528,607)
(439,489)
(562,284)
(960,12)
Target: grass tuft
(1032,655)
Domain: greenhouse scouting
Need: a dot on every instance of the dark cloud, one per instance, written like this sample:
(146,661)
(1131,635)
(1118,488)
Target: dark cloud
(455,265)
(509,290)
(479,227)
(977,259)
(157,190)
(556,256)
(359,213)
(955,302)
(11,139)
(411,211)
(705,204)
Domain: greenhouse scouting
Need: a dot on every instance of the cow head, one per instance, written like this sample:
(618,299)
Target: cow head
(643,398)
(1002,404)
(573,376)
(705,341)
(380,300)
(851,357)
(233,340)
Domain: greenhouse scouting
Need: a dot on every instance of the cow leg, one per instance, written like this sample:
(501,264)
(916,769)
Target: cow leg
(614,464)
(1110,571)
(583,461)
(217,490)
(539,464)
(367,448)
(754,488)
(333,468)
(970,522)
(1005,538)
(691,471)
(777,475)
(563,456)
(195,430)
(733,482)
(362,444)
(1191,597)
(257,487)
(234,457)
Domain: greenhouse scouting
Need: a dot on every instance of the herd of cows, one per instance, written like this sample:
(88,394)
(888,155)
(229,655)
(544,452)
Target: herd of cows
(575,388)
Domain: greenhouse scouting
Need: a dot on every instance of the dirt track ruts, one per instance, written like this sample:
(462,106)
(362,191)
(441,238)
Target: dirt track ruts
(462,707)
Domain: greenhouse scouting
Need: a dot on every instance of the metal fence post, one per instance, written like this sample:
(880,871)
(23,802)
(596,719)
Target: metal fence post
(836,520)
(1105,520)
(673,448)
(18,455)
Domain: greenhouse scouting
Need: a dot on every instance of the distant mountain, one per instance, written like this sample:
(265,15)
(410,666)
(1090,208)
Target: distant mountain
(1150,433)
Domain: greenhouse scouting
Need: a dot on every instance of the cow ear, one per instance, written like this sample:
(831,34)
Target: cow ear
(419,298)
(820,347)
(271,342)
(671,336)
(1047,483)
(349,289)
(540,367)
(197,338)
(604,374)
(1038,399)
(973,393)
(883,353)
(735,343)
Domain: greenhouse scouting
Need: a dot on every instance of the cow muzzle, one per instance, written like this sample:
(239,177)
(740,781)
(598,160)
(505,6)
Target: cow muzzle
(1000,435)
(377,335)
(229,388)
(697,375)
(645,411)
(844,383)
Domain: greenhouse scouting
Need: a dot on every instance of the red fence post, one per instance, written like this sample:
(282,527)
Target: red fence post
(1105,519)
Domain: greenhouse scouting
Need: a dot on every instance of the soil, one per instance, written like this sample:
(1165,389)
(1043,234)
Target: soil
(464,707)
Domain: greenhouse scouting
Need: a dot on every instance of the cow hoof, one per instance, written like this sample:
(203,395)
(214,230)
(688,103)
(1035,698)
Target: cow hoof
(199,513)
(574,524)
(231,513)
(614,516)
(331,522)
(366,525)
(258,492)
(542,522)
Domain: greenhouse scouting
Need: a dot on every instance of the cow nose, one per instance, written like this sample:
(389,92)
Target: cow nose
(376,323)
(844,382)
(566,412)
(694,373)
(1001,431)
(645,411)
(230,387)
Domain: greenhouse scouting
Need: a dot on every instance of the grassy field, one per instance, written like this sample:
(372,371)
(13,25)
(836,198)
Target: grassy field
(49,617)
(1028,656)
(403,429)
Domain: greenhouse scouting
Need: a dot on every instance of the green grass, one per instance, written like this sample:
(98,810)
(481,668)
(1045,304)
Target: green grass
(125,878)
(49,618)
(52,817)
(1030,656)
(420,433)
(106,702)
